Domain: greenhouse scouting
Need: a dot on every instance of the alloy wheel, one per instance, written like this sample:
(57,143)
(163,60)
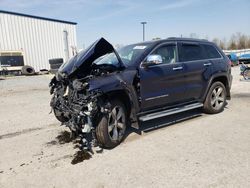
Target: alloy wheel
(116,123)
(218,97)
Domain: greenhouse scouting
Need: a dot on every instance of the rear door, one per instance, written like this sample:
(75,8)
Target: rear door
(197,68)
(162,84)
(215,58)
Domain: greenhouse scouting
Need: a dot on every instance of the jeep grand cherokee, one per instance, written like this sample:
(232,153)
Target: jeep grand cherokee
(100,91)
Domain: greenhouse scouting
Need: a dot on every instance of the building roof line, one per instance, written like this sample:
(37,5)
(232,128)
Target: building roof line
(37,17)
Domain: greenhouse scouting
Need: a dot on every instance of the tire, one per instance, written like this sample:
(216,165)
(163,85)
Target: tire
(59,116)
(56,61)
(216,99)
(53,71)
(246,74)
(55,66)
(27,70)
(111,129)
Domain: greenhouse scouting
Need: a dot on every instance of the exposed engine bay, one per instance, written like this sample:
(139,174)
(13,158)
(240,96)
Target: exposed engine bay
(77,107)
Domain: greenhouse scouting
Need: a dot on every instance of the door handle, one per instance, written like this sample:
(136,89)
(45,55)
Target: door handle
(207,64)
(177,68)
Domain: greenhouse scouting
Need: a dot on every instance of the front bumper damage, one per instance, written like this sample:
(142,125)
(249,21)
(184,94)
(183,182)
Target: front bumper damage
(83,90)
(78,109)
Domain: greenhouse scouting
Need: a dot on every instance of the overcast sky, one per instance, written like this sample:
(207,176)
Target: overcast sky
(119,20)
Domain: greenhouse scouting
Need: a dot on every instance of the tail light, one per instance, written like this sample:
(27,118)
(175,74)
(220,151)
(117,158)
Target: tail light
(230,62)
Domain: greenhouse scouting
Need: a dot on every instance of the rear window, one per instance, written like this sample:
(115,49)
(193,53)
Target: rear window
(190,52)
(211,51)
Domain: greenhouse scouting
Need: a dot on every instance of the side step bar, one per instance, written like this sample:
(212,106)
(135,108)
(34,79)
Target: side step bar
(170,111)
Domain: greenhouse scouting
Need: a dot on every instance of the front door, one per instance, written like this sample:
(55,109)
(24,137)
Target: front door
(162,84)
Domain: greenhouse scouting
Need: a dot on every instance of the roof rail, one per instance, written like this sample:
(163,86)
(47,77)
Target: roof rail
(184,38)
(171,38)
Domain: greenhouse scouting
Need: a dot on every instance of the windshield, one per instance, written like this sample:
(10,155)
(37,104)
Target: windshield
(128,55)
(108,59)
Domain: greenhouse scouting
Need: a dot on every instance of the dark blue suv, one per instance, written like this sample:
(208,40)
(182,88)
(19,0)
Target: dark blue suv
(100,91)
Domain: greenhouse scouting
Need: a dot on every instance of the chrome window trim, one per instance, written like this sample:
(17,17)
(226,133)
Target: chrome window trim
(177,52)
(202,60)
(220,58)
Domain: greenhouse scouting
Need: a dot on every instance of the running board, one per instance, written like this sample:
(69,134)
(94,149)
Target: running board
(170,111)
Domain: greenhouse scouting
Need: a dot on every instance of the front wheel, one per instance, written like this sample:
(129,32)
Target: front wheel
(60,116)
(111,128)
(216,98)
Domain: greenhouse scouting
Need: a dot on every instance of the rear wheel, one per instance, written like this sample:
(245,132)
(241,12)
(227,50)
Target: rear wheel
(216,98)
(111,128)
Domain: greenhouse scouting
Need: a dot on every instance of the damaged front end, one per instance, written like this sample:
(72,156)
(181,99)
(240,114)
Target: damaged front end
(74,102)
(77,107)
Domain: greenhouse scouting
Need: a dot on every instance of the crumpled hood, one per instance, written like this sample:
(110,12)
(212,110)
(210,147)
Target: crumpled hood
(82,62)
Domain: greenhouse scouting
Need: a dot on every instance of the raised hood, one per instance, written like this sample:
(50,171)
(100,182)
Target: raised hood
(82,62)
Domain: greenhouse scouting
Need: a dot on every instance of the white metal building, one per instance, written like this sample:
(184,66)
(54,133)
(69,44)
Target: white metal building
(35,39)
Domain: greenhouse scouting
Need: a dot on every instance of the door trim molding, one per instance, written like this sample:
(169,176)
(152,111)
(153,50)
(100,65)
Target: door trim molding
(161,96)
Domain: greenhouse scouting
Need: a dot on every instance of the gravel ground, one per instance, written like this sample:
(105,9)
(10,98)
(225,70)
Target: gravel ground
(202,151)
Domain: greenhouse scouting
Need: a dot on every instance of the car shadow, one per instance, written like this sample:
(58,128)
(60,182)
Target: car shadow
(159,123)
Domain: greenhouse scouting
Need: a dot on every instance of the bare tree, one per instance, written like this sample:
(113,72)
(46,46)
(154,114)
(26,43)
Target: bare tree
(216,41)
(236,41)
(241,40)
(222,45)
(224,41)
(232,43)
(248,42)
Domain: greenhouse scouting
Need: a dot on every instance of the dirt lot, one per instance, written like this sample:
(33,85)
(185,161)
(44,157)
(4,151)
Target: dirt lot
(203,151)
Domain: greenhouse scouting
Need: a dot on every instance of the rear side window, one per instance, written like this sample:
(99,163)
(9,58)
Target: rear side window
(190,52)
(211,51)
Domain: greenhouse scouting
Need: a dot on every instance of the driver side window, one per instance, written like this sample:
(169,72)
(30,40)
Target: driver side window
(167,52)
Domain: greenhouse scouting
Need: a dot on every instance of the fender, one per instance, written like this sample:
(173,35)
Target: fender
(227,86)
(117,83)
(130,92)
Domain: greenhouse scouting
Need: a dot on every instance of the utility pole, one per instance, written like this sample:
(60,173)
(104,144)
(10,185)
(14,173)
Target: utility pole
(143,30)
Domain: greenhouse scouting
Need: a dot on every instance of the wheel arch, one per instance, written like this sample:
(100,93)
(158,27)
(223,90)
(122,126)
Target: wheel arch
(223,78)
(129,99)
(120,95)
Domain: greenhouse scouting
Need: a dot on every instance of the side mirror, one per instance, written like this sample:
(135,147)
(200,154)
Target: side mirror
(152,60)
